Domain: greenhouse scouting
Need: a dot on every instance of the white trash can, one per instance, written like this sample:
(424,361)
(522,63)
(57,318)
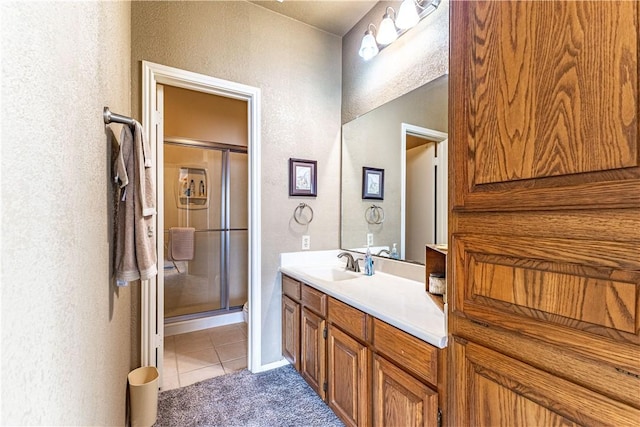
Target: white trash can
(143,396)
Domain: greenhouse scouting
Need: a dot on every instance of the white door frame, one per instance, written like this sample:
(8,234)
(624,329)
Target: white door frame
(153,312)
(441,160)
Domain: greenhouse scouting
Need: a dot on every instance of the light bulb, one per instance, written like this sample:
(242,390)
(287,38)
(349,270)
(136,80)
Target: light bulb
(407,15)
(368,48)
(387,32)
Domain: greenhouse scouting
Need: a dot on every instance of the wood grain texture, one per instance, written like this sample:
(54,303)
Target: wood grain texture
(313,351)
(349,319)
(567,140)
(291,331)
(400,400)
(505,391)
(605,303)
(583,119)
(314,300)
(590,286)
(291,287)
(412,354)
(610,376)
(348,383)
(544,250)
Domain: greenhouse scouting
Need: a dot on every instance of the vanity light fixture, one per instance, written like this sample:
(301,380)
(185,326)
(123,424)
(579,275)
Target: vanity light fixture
(410,13)
(369,47)
(387,33)
(407,15)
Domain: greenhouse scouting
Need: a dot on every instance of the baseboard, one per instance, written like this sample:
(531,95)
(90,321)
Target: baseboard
(204,323)
(272,365)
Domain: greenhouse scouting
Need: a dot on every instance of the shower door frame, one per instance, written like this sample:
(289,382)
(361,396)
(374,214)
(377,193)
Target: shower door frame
(225,227)
(152,308)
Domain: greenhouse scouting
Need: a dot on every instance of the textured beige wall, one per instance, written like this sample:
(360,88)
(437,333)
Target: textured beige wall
(298,69)
(419,56)
(66,338)
(204,116)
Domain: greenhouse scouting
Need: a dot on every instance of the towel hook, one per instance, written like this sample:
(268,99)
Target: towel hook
(374,214)
(297,214)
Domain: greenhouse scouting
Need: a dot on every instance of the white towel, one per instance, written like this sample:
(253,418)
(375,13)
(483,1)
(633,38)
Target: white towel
(181,243)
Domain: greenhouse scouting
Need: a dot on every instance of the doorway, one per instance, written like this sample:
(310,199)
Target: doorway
(423,190)
(154,76)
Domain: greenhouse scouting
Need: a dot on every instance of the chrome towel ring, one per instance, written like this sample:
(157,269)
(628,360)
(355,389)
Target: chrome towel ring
(374,214)
(297,214)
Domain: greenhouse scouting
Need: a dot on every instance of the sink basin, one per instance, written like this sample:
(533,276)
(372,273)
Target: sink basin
(331,274)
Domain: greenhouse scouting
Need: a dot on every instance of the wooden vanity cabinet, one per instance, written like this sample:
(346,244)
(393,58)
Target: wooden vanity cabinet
(313,363)
(313,350)
(544,188)
(368,372)
(405,379)
(291,293)
(348,363)
(400,399)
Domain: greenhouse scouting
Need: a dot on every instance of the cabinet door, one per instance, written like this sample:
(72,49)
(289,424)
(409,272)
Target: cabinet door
(400,399)
(348,381)
(312,351)
(291,331)
(501,391)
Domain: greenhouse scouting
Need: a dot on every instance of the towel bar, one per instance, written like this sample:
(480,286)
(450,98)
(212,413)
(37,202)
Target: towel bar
(110,117)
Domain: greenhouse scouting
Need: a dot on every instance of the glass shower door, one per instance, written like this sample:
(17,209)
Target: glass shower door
(206,189)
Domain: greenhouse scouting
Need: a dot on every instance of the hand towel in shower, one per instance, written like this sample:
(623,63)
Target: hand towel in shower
(181,243)
(136,256)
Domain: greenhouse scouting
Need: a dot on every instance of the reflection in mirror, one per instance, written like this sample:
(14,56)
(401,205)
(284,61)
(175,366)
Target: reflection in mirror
(405,137)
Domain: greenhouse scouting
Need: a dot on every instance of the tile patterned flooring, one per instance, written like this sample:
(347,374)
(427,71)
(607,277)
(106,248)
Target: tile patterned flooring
(197,356)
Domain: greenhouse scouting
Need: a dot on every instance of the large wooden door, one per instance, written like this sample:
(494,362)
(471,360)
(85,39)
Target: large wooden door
(545,210)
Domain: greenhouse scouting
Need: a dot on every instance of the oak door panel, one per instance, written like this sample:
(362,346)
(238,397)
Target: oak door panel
(401,400)
(348,385)
(548,121)
(500,391)
(587,286)
(563,354)
(313,351)
(291,331)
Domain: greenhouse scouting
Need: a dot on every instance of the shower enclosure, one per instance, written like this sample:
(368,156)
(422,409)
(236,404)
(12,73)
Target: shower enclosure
(206,188)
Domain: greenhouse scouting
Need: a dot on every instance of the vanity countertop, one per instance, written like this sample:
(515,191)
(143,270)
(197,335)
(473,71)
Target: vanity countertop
(398,301)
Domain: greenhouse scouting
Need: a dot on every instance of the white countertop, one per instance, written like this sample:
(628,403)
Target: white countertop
(398,301)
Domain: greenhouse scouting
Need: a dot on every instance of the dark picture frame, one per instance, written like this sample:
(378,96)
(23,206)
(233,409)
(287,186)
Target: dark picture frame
(303,176)
(372,183)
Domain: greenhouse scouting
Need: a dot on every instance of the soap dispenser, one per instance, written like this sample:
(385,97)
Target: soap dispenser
(368,263)
(394,252)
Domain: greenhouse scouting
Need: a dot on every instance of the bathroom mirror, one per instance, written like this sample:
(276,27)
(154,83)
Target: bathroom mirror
(407,138)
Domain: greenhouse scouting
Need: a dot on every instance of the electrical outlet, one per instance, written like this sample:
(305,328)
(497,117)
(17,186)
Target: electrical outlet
(306,242)
(369,239)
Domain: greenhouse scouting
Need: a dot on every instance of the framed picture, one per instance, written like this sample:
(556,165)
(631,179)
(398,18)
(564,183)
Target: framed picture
(372,183)
(303,178)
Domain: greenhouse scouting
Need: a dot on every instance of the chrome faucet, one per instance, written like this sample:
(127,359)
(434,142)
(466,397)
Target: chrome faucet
(352,264)
(383,251)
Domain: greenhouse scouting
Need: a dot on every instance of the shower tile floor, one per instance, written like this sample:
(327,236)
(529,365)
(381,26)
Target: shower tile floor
(197,356)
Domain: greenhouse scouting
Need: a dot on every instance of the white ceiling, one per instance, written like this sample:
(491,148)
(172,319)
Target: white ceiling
(336,17)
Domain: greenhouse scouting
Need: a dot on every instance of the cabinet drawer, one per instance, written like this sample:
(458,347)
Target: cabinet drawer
(350,320)
(291,287)
(314,300)
(406,350)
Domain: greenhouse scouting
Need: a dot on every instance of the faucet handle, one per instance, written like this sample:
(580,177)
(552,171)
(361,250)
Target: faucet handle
(356,265)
